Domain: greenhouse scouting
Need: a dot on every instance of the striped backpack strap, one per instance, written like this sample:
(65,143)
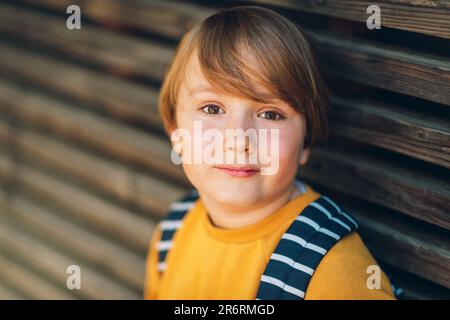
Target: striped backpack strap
(171,223)
(301,248)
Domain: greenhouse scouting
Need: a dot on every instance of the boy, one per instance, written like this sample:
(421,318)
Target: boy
(247,232)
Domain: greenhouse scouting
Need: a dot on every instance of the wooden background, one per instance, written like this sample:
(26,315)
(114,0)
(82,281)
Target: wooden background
(85,170)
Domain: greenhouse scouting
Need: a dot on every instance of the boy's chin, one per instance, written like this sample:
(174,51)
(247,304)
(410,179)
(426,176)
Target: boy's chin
(237,198)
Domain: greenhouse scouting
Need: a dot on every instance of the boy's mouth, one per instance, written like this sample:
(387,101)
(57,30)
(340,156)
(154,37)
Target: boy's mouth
(238,171)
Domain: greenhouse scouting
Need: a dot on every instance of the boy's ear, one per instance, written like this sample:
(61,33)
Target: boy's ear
(305,156)
(170,129)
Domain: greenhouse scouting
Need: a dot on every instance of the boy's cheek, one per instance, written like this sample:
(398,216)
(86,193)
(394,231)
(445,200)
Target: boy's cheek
(198,175)
(289,145)
(285,162)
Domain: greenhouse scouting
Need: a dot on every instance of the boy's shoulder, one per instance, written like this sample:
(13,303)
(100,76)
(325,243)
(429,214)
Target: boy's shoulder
(345,271)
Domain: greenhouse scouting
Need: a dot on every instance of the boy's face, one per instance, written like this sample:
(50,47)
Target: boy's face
(231,183)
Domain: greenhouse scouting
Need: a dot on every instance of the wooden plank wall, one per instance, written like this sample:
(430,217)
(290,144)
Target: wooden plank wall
(85,170)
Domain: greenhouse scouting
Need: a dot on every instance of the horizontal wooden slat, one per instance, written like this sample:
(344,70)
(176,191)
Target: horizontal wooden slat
(168,18)
(392,68)
(92,248)
(118,223)
(8,294)
(116,97)
(378,180)
(39,256)
(392,127)
(125,143)
(122,55)
(29,283)
(416,288)
(427,17)
(115,179)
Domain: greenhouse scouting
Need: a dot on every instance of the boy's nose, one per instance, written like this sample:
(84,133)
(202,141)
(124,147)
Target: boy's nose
(238,123)
(238,138)
(238,144)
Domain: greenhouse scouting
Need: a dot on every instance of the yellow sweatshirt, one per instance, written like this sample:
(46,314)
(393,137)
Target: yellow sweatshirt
(207,262)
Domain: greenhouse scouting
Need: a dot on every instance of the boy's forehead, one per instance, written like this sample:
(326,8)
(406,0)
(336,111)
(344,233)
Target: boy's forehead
(195,80)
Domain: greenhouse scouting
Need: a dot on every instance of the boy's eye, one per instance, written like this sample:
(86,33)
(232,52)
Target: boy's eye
(272,115)
(212,109)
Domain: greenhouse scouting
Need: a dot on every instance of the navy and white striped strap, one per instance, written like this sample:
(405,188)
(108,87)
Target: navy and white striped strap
(171,223)
(301,248)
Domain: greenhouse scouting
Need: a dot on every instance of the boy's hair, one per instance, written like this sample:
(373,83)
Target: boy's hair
(242,46)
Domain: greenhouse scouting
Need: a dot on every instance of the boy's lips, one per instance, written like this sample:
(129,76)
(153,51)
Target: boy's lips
(238,171)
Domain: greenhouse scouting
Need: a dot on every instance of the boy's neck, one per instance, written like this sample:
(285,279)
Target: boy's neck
(227,217)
